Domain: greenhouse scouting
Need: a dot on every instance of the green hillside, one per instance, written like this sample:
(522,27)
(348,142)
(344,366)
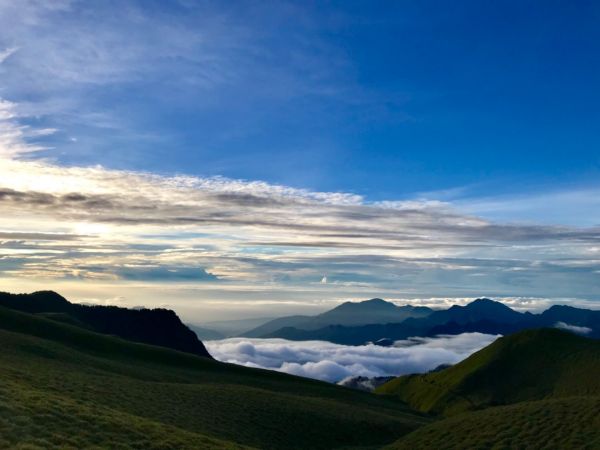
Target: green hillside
(565,423)
(66,387)
(529,365)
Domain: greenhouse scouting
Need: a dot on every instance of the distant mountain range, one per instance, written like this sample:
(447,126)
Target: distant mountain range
(206,334)
(347,314)
(150,326)
(384,321)
(231,328)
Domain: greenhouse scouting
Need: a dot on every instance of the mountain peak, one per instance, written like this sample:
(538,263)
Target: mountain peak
(486,303)
(49,295)
(377,301)
(374,303)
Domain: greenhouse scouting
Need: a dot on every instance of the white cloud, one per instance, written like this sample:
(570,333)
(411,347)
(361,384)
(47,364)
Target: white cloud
(332,362)
(15,138)
(273,242)
(573,328)
(5,54)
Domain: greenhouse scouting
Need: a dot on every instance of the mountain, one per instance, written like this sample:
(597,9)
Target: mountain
(526,366)
(235,327)
(574,317)
(347,314)
(67,387)
(480,309)
(275,324)
(205,334)
(375,310)
(151,326)
(481,315)
(536,389)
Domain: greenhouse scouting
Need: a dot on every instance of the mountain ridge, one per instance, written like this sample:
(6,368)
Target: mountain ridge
(150,326)
(365,312)
(482,315)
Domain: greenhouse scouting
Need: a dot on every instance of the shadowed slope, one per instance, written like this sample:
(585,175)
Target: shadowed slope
(150,326)
(57,376)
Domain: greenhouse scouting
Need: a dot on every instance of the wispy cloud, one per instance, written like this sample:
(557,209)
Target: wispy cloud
(573,328)
(85,68)
(4,54)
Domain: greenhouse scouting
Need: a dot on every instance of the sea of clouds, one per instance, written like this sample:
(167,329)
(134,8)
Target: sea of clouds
(332,362)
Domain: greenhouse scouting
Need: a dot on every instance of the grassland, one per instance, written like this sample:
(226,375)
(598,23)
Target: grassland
(529,365)
(537,389)
(565,423)
(66,387)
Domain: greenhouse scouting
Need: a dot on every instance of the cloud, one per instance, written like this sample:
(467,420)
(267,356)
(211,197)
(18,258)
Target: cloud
(15,137)
(331,362)
(572,328)
(165,274)
(4,54)
(258,235)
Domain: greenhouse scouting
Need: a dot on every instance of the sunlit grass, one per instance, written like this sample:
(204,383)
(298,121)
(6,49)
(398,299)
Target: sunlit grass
(570,423)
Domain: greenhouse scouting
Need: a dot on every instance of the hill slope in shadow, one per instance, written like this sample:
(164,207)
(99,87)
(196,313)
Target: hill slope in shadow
(151,326)
(67,386)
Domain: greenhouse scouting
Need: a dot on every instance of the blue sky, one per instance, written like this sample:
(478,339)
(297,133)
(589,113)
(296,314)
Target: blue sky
(385,99)
(283,130)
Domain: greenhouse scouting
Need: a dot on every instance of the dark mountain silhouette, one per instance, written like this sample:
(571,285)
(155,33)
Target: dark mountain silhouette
(480,309)
(482,315)
(150,326)
(348,314)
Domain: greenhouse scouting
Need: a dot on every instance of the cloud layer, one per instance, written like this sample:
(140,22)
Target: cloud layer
(93,223)
(331,362)
(212,245)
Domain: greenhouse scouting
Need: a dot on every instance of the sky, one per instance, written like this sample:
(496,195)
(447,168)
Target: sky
(254,159)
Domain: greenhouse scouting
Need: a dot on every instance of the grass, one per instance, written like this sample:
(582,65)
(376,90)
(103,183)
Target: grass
(529,365)
(566,423)
(66,387)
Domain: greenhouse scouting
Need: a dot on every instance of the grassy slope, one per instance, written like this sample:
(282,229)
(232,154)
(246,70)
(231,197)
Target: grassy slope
(65,386)
(529,365)
(547,379)
(566,423)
